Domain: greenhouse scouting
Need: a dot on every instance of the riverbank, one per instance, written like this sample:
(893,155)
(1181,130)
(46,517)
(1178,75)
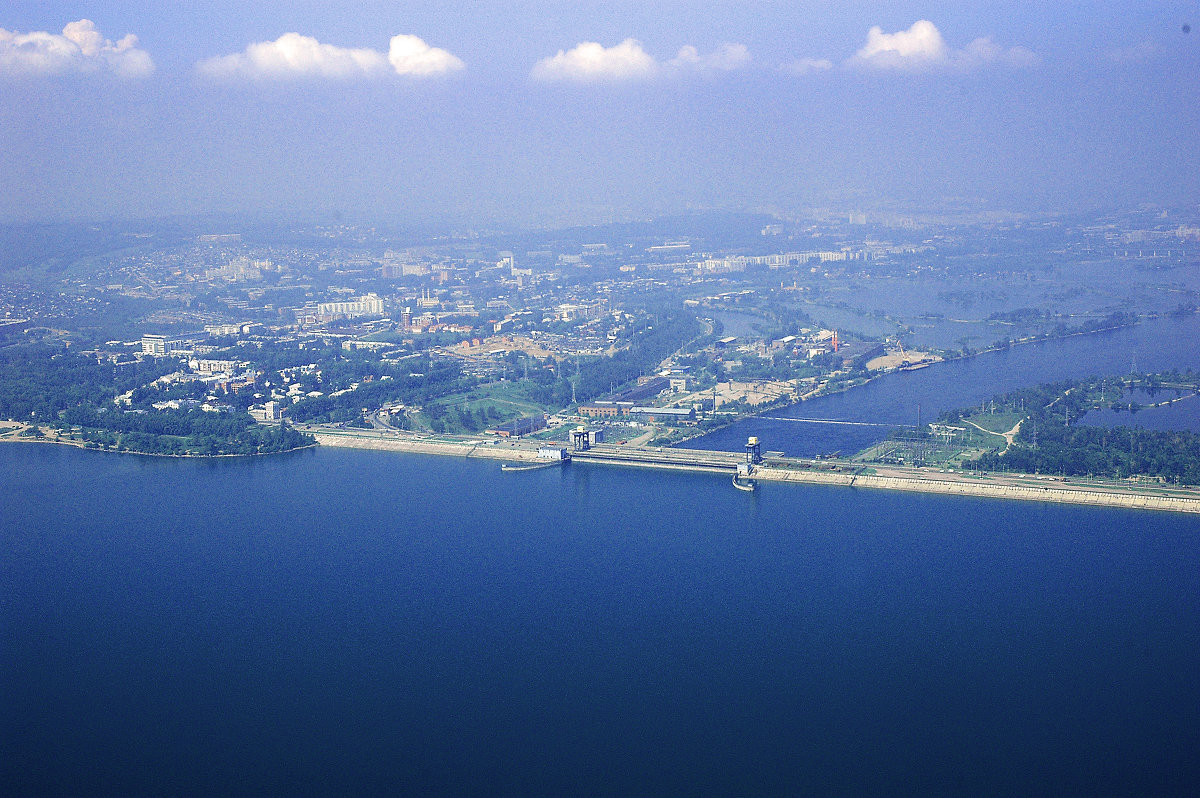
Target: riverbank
(1022,487)
(414,443)
(10,431)
(863,380)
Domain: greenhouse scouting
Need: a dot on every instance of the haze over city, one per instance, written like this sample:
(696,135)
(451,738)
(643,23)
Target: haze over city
(561,113)
(752,398)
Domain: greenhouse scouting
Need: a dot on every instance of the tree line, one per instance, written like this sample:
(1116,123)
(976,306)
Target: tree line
(1053,441)
(75,393)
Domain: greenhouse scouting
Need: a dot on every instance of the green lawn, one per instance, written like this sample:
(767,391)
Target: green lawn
(995,422)
(487,405)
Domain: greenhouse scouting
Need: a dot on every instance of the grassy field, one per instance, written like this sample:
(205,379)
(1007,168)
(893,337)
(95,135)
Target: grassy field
(483,407)
(995,422)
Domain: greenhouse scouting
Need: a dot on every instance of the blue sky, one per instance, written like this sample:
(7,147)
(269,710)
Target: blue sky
(559,112)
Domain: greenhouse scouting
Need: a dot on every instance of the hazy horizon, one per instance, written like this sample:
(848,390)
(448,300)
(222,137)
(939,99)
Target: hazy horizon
(538,114)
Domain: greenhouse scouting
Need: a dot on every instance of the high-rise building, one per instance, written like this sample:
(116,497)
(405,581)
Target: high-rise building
(369,305)
(154,345)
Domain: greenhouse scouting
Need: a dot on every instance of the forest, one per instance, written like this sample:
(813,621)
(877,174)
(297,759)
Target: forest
(74,394)
(1056,439)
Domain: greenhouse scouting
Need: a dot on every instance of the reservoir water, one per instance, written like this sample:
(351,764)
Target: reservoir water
(370,623)
(356,622)
(897,399)
(1182,413)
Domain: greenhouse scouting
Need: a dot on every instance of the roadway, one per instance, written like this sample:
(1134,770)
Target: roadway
(659,456)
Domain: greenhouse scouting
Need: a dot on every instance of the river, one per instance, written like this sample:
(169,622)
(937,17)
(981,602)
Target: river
(896,399)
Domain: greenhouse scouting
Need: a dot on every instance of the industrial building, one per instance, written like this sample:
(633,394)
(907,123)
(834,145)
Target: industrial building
(520,426)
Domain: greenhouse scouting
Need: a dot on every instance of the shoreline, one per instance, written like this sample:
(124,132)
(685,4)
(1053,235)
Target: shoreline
(1020,487)
(11,434)
(416,444)
(1006,486)
(817,394)
(1025,487)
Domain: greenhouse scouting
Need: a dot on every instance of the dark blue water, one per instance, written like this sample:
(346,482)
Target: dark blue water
(893,400)
(345,622)
(1183,414)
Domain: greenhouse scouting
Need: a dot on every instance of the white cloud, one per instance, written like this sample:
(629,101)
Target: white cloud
(922,47)
(593,62)
(293,55)
(726,59)
(808,66)
(296,56)
(920,44)
(80,48)
(409,55)
(982,52)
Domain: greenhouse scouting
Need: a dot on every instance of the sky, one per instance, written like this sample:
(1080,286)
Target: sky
(550,113)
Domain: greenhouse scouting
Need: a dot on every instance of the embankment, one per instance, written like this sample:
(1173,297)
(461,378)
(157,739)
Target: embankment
(996,488)
(424,446)
(1015,487)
